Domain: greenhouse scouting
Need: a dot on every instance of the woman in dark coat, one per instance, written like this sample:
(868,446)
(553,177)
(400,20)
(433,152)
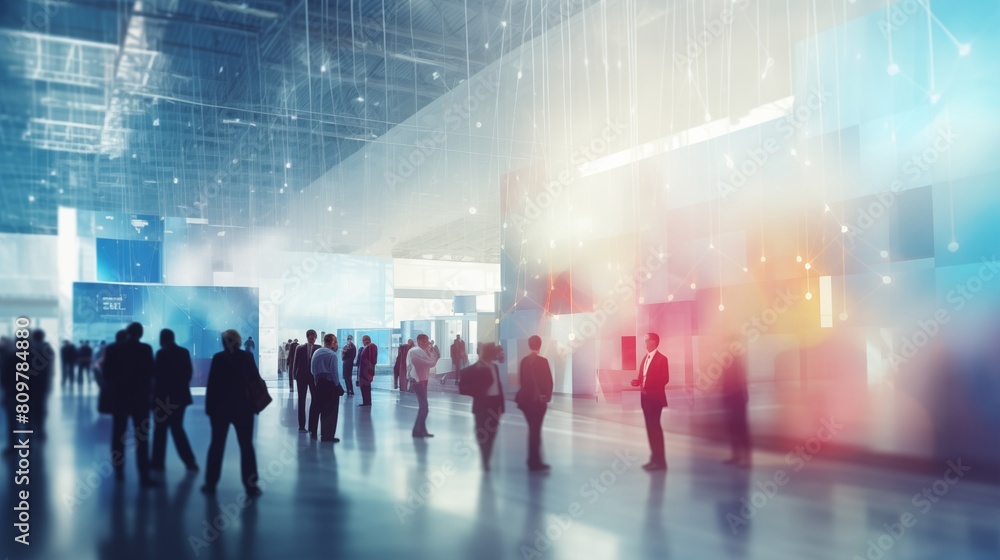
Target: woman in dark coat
(482,381)
(227,401)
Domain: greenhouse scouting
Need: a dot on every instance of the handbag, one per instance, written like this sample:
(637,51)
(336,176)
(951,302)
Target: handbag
(338,390)
(257,390)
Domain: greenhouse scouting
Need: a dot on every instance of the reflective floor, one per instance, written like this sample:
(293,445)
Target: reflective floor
(381,494)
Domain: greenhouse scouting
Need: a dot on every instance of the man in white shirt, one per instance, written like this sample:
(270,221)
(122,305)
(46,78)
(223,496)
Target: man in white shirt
(654,374)
(419,362)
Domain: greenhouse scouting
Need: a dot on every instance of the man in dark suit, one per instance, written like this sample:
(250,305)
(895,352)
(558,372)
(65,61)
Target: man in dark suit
(654,374)
(172,377)
(533,397)
(347,355)
(399,379)
(366,369)
(68,355)
(304,379)
(128,369)
(292,347)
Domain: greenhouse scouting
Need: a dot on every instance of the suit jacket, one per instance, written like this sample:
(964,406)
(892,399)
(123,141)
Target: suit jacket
(227,391)
(367,361)
(479,375)
(400,366)
(291,356)
(347,355)
(172,374)
(303,361)
(128,375)
(457,350)
(658,377)
(536,381)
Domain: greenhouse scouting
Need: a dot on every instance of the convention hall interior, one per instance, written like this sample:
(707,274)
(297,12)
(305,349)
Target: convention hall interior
(500,279)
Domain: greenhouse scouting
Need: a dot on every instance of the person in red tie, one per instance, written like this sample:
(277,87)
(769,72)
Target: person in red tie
(654,374)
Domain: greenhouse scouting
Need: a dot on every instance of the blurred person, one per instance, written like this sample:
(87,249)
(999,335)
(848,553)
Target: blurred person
(67,354)
(282,354)
(43,359)
(735,398)
(8,384)
(326,396)
(128,372)
(84,356)
(533,397)
(250,346)
(290,364)
(459,359)
(357,361)
(366,369)
(172,381)
(419,362)
(482,381)
(654,374)
(400,380)
(304,380)
(227,401)
(98,365)
(347,356)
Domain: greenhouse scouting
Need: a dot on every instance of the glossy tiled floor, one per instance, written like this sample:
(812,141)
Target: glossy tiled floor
(361,498)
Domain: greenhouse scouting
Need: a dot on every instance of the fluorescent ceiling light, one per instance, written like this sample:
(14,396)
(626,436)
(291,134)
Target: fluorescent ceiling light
(702,133)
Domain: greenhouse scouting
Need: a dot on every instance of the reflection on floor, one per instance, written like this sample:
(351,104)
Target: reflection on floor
(381,494)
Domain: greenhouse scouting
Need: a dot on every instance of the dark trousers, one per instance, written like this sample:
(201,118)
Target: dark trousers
(651,410)
(533,415)
(244,436)
(327,403)
(366,391)
(291,377)
(304,386)
(739,431)
(84,373)
(67,372)
(140,422)
(487,425)
(174,421)
(420,425)
(348,372)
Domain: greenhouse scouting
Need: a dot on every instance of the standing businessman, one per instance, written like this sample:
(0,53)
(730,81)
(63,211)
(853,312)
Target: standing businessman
(347,356)
(172,378)
(366,369)
(533,398)
(304,379)
(654,374)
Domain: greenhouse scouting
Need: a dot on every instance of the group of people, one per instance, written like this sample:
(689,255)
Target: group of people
(154,390)
(137,385)
(80,363)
